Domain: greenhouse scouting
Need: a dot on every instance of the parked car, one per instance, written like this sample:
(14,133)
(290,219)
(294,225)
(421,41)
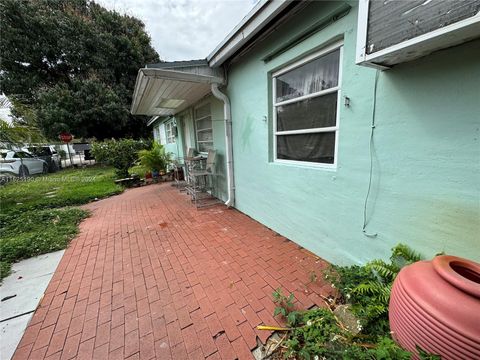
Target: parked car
(49,154)
(21,163)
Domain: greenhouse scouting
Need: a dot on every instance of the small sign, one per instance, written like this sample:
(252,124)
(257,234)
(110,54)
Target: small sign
(65,137)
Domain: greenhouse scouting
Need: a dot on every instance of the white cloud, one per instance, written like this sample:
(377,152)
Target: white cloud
(184,29)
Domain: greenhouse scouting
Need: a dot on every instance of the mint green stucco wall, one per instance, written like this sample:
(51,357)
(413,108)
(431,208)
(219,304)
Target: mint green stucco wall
(174,148)
(426,177)
(178,148)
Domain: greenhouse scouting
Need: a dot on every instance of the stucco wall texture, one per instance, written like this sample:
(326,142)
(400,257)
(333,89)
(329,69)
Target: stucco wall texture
(426,151)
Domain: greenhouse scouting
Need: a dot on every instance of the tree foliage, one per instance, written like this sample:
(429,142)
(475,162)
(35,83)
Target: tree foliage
(74,64)
(18,135)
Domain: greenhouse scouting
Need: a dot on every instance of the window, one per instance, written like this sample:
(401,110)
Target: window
(156,134)
(22,155)
(170,132)
(203,128)
(305,100)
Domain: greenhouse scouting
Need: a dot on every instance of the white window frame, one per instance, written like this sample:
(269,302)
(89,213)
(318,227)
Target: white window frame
(195,119)
(169,134)
(337,45)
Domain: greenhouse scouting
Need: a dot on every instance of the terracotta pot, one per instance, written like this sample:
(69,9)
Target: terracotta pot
(436,305)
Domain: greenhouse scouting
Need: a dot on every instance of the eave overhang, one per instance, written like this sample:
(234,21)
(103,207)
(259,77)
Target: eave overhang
(256,21)
(164,92)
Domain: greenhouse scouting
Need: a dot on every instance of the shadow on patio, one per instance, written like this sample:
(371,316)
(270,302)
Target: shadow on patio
(149,276)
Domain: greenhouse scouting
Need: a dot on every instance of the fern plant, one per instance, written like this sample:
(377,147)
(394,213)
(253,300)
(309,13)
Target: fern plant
(320,334)
(373,295)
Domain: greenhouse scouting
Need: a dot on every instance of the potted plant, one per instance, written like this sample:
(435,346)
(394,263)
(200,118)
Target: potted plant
(155,159)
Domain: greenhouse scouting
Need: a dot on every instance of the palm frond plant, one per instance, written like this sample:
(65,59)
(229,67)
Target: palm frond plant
(155,159)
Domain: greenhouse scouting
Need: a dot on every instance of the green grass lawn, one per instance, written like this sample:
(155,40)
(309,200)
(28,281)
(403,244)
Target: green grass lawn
(37,216)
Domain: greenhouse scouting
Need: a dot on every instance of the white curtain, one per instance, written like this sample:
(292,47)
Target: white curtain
(314,76)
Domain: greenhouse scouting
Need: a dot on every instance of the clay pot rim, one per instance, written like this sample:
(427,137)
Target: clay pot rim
(443,266)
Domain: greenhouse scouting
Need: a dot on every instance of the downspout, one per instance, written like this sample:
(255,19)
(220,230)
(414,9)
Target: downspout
(228,142)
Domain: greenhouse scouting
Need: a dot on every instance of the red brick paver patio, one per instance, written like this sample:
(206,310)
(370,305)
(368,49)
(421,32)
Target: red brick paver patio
(149,276)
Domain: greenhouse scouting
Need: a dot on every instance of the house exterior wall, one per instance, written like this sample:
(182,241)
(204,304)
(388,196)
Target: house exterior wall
(186,128)
(174,148)
(426,152)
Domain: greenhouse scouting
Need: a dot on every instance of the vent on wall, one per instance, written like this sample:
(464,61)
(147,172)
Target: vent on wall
(397,31)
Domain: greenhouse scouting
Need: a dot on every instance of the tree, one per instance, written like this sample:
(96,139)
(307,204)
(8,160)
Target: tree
(17,135)
(73,64)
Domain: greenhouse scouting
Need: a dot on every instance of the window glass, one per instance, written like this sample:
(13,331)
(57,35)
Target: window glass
(205,136)
(205,123)
(204,147)
(311,121)
(317,147)
(202,111)
(22,154)
(311,77)
(203,127)
(170,132)
(310,113)
(40,151)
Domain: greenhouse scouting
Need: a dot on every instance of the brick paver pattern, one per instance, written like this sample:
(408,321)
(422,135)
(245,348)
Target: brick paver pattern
(151,277)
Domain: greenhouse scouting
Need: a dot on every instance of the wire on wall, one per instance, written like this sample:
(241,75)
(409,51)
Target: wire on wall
(370,177)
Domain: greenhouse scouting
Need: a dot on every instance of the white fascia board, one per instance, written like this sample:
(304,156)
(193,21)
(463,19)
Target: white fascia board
(140,84)
(251,24)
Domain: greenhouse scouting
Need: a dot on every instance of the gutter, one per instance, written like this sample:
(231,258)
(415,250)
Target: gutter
(228,142)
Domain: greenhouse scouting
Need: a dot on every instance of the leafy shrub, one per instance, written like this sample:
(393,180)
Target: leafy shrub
(156,158)
(121,154)
(320,334)
(368,287)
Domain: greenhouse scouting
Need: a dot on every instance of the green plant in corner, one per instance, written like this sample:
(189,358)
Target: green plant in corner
(365,291)
(372,295)
(156,158)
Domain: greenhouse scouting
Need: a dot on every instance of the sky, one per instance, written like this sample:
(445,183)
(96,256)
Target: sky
(184,29)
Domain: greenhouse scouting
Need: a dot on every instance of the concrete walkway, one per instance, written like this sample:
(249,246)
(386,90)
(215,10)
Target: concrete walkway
(20,293)
(149,276)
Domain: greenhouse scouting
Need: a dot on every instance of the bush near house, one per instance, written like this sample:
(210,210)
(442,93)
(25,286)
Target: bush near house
(365,292)
(156,158)
(36,216)
(121,154)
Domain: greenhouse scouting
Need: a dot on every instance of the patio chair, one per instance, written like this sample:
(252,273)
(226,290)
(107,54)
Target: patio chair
(190,153)
(179,175)
(202,180)
(181,171)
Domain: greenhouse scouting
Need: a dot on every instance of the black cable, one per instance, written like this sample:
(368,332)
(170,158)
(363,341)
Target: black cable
(365,205)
